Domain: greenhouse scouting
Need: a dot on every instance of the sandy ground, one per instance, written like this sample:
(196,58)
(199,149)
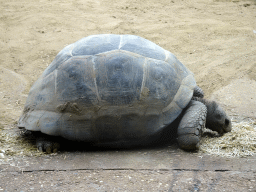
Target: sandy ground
(215,39)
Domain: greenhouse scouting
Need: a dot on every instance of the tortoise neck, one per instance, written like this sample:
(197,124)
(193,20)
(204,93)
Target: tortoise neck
(211,105)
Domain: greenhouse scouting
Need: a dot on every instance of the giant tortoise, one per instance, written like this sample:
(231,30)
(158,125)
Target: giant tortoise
(120,91)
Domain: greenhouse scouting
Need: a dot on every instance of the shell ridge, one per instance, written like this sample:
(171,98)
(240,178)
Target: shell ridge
(71,50)
(38,121)
(170,113)
(121,42)
(95,80)
(69,56)
(125,51)
(56,82)
(186,90)
(166,55)
(144,78)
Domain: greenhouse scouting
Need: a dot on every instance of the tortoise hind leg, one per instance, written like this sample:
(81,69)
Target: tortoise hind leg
(44,143)
(47,144)
(191,125)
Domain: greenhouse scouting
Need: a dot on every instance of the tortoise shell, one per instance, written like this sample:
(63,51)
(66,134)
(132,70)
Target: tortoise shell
(108,88)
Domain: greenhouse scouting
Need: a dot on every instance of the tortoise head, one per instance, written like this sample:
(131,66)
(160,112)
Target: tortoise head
(217,119)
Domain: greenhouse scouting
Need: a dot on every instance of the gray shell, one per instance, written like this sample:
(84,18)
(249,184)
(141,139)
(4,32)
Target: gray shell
(108,88)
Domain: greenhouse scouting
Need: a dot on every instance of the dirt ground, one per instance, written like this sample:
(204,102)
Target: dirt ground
(215,39)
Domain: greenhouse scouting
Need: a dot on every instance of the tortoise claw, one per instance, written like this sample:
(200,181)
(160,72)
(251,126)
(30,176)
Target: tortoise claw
(45,145)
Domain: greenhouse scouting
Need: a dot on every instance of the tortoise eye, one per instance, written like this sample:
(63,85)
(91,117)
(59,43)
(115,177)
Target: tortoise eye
(218,116)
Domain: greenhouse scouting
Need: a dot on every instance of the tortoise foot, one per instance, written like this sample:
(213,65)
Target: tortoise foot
(189,142)
(47,145)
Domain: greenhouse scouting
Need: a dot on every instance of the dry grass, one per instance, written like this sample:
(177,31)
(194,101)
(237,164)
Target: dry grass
(14,144)
(240,142)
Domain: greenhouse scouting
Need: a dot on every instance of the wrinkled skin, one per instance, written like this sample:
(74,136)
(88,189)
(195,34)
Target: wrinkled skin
(216,119)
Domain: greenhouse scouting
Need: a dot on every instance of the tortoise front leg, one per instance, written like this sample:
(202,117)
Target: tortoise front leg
(191,125)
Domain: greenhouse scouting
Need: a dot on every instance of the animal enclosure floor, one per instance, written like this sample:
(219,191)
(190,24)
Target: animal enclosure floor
(215,39)
(159,169)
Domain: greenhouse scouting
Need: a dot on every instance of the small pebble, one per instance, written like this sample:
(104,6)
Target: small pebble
(1,155)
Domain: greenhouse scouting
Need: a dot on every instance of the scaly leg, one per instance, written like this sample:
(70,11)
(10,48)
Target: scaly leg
(191,125)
